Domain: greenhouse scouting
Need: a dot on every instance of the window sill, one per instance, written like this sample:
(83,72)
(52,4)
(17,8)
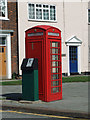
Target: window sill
(4,19)
(42,21)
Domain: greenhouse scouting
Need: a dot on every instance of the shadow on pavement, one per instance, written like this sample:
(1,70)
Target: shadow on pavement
(13,96)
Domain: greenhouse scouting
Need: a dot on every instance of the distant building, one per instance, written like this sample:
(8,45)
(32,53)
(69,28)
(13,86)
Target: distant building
(72,18)
(8,39)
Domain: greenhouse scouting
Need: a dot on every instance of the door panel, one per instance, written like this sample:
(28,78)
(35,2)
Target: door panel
(35,51)
(73,59)
(2,61)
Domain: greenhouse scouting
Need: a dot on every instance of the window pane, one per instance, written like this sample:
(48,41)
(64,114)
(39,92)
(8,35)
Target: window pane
(38,14)
(55,44)
(55,63)
(31,11)
(55,70)
(38,5)
(55,83)
(55,51)
(52,13)
(55,76)
(46,14)
(55,57)
(35,34)
(53,34)
(89,15)
(89,54)
(2,40)
(2,8)
(55,90)
(45,6)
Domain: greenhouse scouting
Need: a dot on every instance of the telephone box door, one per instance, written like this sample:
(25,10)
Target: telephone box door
(35,51)
(55,68)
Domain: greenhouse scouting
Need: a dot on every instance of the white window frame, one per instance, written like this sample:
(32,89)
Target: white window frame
(89,54)
(6,12)
(88,17)
(42,12)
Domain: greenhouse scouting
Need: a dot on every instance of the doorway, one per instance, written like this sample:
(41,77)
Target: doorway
(2,57)
(73,59)
(5,56)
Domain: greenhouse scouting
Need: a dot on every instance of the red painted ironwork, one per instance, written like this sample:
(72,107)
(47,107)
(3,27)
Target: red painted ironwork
(44,42)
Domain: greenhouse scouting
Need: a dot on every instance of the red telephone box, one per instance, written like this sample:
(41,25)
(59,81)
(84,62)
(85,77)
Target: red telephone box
(44,42)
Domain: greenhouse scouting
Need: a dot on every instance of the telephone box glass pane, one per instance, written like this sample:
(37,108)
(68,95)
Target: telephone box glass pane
(60,82)
(53,34)
(54,63)
(55,44)
(35,34)
(55,51)
(55,57)
(55,76)
(55,70)
(55,83)
(55,90)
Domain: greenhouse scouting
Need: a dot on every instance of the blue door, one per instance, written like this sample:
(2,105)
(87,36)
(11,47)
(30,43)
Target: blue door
(73,59)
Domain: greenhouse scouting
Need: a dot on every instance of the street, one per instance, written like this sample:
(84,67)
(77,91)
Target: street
(10,115)
(73,104)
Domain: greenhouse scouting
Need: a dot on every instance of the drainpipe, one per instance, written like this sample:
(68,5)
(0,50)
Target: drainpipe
(17,37)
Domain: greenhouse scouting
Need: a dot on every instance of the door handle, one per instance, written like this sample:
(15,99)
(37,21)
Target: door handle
(4,60)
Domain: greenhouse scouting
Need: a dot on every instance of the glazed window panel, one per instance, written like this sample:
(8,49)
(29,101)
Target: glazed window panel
(3,8)
(55,70)
(88,15)
(55,83)
(55,57)
(38,13)
(55,44)
(55,89)
(52,13)
(73,53)
(55,76)
(46,14)
(55,63)
(1,50)
(2,41)
(31,11)
(89,54)
(55,51)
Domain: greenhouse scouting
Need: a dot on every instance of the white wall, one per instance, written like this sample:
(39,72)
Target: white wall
(76,24)
(89,37)
(71,20)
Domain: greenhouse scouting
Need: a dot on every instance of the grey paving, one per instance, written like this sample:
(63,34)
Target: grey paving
(75,98)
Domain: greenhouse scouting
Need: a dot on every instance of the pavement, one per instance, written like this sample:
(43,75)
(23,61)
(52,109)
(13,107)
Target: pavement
(74,103)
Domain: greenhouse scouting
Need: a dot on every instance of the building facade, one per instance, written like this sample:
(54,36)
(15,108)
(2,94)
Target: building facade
(71,18)
(8,39)
(89,36)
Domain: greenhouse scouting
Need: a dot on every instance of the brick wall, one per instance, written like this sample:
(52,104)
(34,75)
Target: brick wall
(11,24)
